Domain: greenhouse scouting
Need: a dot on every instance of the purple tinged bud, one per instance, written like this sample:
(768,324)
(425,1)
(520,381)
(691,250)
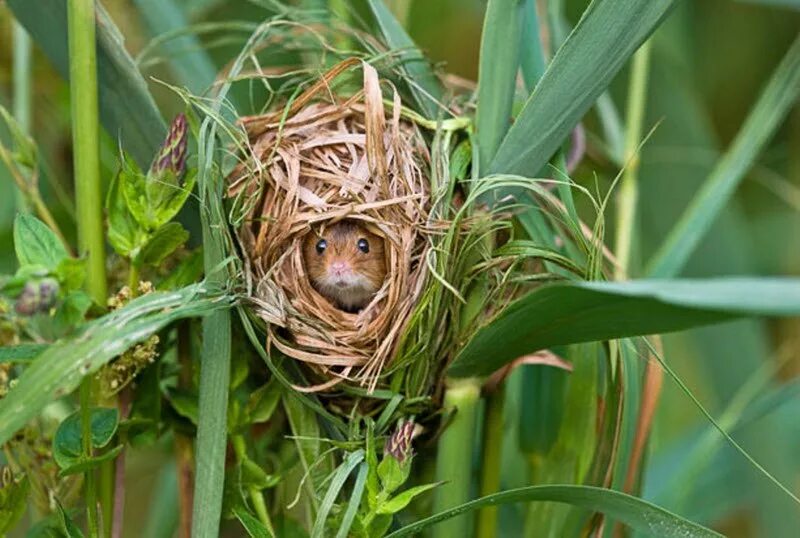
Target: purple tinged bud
(172,154)
(27,303)
(48,291)
(399,443)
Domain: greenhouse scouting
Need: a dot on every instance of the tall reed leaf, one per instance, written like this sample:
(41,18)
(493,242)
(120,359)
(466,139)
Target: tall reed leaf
(424,85)
(60,368)
(127,110)
(187,58)
(764,119)
(590,311)
(497,75)
(601,43)
(638,514)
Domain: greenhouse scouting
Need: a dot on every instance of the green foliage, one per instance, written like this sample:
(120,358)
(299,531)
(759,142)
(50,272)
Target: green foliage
(13,499)
(67,443)
(592,311)
(36,244)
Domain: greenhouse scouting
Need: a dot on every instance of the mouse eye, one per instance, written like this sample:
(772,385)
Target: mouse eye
(363,245)
(321,246)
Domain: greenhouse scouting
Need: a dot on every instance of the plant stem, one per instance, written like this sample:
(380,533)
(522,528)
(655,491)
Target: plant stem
(183,445)
(629,190)
(491,459)
(85,136)
(454,455)
(256,497)
(86,447)
(22,90)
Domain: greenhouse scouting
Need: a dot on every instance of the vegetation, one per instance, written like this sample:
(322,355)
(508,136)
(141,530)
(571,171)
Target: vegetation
(167,368)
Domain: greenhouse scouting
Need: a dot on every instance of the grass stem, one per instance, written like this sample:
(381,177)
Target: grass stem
(454,455)
(629,190)
(21,100)
(491,463)
(256,498)
(85,139)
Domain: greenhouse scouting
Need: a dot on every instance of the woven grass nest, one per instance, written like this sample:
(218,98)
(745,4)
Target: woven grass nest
(315,162)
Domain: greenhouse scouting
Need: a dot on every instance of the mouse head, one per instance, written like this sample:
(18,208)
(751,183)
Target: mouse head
(345,257)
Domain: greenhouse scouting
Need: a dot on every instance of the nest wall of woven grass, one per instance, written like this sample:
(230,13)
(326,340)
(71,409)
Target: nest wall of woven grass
(320,160)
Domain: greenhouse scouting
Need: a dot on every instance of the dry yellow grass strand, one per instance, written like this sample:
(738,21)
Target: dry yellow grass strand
(323,159)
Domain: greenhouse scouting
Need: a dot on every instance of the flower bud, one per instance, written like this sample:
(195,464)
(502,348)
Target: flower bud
(399,443)
(27,304)
(171,157)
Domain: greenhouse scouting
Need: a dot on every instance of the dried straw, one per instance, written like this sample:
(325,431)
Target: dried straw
(321,159)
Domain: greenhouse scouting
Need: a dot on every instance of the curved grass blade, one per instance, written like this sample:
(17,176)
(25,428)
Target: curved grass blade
(636,513)
(497,74)
(601,43)
(127,109)
(764,119)
(423,82)
(60,368)
(563,314)
(337,482)
(187,58)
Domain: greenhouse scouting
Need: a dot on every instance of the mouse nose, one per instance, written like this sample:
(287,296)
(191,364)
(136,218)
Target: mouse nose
(339,267)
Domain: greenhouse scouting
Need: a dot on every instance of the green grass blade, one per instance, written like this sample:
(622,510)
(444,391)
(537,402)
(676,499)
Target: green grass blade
(60,368)
(764,119)
(424,85)
(636,513)
(187,57)
(591,311)
(337,482)
(531,56)
(497,74)
(127,110)
(601,43)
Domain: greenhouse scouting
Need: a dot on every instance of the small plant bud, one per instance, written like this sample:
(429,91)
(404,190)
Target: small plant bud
(27,303)
(48,292)
(399,443)
(171,156)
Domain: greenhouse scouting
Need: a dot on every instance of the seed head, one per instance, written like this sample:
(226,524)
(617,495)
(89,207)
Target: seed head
(171,157)
(399,443)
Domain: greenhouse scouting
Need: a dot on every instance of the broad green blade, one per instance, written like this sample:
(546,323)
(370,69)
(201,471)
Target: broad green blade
(186,55)
(127,110)
(601,43)
(764,119)
(592,311)
(60,368)
(638,514)
(497,76)
(423,82)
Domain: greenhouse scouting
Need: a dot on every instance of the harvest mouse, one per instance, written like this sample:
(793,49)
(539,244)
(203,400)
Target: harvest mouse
(345,263)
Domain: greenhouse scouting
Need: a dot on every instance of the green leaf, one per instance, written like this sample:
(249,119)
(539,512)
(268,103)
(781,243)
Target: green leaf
(254,528)
(71,312)
(252,475)
(13,502)
(60,368)
(127,110)
(154,202)
(355,501)
(21,352)
(262,403)
(163,243)
(497,75)
(67,440)
(601,43)
(424,85)
(67,526)
(80,464)
(563,314)
(185,404)
(775,102)
(187,272)
(71,273)
(352,461)
(36,244)
(401,500)
(392,473)
(125,234)
(636,513)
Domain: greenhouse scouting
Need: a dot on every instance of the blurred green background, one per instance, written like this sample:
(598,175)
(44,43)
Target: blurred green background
(710,60)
